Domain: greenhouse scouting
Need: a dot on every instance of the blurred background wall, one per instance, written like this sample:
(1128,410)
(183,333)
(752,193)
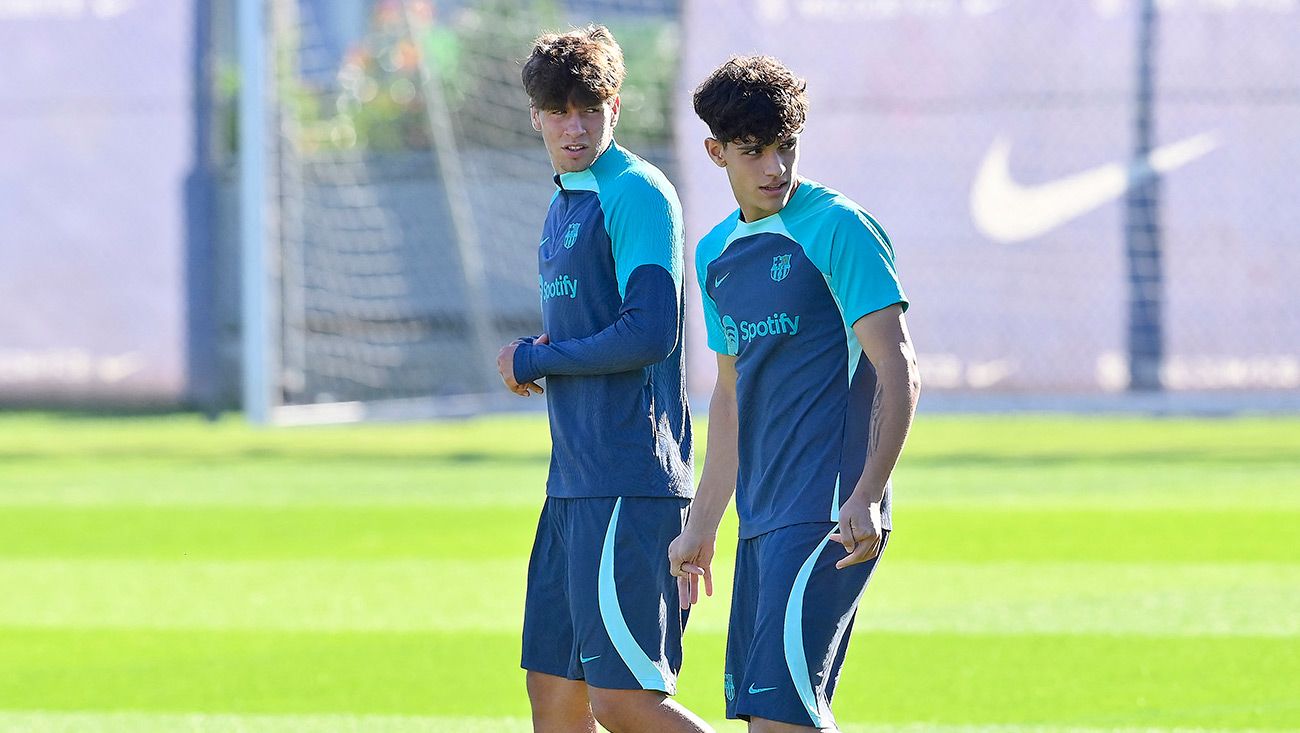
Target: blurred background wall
(107,203)
(1078,191)
(1067,183)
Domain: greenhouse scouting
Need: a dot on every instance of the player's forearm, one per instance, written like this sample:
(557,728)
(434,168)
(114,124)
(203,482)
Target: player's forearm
(629,343)
(721,465)
(711,499)
(645,333)
(898,386)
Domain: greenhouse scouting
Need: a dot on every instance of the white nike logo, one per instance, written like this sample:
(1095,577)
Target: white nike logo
(983,7)
(1008,212)
(718,281)
(111,8)
(544,241)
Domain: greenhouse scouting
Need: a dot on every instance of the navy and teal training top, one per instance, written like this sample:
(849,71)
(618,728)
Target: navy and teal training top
(610,264)
(781,295)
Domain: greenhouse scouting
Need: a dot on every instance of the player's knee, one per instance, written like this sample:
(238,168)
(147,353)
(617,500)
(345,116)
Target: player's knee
(621,711)
(561,717)
(611,709)
(763,725)
(557,702)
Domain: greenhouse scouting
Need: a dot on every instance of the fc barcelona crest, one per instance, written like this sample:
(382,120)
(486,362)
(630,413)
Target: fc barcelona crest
(729,687)
(571,234)
(780,267)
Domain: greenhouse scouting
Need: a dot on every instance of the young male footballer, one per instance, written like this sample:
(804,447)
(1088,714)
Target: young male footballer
(602,633)
(817,384)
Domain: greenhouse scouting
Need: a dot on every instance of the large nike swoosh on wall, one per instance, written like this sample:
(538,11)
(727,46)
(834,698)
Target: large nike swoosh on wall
(111,8)
(1008,212)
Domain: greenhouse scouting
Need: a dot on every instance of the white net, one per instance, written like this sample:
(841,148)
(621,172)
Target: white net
(411,187)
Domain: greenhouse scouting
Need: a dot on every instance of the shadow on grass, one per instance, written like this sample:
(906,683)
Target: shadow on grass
(181,454)
(1164,458)
(198,455)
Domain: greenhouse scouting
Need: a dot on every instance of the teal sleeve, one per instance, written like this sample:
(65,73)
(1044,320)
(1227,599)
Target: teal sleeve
(644,221)
(862,273)
(717,337)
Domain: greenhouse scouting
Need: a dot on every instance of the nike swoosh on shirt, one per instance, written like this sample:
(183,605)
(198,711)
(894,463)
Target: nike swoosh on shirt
(718,281)
(589,659)
(1007,212)
(544,241)
(755,690)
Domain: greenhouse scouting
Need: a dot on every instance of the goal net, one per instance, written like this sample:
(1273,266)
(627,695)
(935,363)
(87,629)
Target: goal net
(408,189)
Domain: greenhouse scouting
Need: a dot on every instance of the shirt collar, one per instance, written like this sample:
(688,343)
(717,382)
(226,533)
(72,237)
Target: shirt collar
(585,179)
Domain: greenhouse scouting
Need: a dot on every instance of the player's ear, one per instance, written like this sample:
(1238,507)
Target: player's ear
(535,117)
(614,107)
(714,149)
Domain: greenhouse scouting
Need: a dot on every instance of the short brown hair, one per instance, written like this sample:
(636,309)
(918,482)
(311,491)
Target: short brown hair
(752,99)
(584,66)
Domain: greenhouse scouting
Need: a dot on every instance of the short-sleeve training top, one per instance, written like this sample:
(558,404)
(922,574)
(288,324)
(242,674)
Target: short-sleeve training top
(781,294)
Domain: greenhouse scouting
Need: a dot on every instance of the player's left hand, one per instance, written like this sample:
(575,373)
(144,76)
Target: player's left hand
(859,531)
(690,557)
(506,368)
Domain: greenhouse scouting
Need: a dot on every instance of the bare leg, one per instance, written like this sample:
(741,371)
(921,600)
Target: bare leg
(763,725)
(643,711)
(559,705)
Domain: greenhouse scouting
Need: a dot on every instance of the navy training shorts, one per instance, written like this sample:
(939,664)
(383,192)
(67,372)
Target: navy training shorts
(601,605)
(792,614)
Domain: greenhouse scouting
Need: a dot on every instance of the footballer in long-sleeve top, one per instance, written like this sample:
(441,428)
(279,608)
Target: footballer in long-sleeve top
(620,481)
(610,264)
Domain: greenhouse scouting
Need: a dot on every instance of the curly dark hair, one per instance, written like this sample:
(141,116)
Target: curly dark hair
(584,66)
(754,99)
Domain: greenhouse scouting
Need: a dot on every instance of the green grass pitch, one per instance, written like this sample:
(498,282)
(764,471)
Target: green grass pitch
(1046,575)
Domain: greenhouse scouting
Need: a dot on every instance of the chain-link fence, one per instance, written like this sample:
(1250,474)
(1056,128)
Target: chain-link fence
(410,186)
(1075,191)
(1083,198)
